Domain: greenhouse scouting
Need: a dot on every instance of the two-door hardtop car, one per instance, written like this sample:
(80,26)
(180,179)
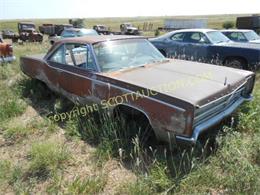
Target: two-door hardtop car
(242,35)
(179,99)
(210,46)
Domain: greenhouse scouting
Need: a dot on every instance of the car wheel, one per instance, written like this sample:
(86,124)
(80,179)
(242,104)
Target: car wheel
(236,63)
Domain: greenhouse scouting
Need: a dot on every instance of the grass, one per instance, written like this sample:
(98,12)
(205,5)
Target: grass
(74,157)
(88,185)
(46,158)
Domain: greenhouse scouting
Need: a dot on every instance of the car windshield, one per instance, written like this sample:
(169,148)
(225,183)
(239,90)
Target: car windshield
(68,33)
(128,25)
(27,26)
(124,54)
(78,33)
(217,37)
(102,27)
(84,32)
(251,35)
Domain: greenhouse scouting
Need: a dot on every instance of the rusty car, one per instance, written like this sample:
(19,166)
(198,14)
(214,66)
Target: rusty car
(129,29)
(7,34)
(6,52)
(101,29)
(178,99)
(27,32)
(53,29)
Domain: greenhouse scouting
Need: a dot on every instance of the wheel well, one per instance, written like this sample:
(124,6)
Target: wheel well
(130,111)
(242,59)
(162,52)
(139,116)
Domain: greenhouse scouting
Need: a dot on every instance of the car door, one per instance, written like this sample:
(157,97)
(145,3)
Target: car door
(176,45)
(196,48)
(74,67)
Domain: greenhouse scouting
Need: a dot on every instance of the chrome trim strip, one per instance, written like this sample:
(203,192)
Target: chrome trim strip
(216,119)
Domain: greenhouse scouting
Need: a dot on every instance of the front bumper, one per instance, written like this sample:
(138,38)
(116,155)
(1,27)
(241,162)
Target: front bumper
(7,59)
(213,121)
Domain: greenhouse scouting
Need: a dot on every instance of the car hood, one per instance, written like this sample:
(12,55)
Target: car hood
(196,83)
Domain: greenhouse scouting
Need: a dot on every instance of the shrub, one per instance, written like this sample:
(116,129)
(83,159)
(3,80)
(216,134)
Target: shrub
(228,24)
(157,33)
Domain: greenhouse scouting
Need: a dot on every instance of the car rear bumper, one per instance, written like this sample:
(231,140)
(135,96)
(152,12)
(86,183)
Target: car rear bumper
(213,121)
(7,59)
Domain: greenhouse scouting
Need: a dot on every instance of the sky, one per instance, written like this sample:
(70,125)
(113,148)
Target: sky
(32,9)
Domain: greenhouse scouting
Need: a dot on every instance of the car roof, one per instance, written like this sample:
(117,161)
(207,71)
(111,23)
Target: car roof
(26,23)
(99,38)
(203,30)
(236,30)
(75,29)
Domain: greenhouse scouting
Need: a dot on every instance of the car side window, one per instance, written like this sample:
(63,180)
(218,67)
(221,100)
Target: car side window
(233,36)
(74,55)
(196,37)
(58,55)
(178,37)
(241,37)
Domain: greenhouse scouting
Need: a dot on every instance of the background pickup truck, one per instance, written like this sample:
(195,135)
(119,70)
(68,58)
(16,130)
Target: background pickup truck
(6,52)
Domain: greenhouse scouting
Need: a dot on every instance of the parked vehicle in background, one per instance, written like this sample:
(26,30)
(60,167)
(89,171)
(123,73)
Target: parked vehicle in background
(27,32)
(177,24)
(7,34)
(77,23)
(210,46)
(73,32)
(6,52)
(53,29)
(129,29)
(127,75)
(247,36)
(101,29)
(249,22)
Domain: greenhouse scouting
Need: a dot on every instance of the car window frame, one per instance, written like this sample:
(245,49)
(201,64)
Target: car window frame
(90,49)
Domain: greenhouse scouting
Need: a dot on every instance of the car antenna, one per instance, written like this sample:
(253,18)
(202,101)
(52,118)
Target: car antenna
(225,82)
